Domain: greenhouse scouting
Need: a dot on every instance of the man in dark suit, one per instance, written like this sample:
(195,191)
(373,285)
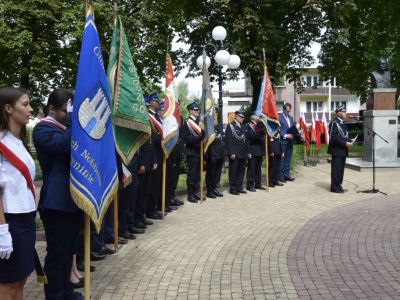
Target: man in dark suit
(238,151)
(192,135)
(256,139)
(274,163)
(287,139)
(338,148)
(215,158)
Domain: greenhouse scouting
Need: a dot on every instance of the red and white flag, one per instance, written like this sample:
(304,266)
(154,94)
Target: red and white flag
(325,131)
(317,131)
(303,126)
(171,118)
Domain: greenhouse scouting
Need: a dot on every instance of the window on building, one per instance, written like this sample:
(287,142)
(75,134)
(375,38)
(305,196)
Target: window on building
(309,81)
(314,106)
(279,105)
(336,104)
(315,81)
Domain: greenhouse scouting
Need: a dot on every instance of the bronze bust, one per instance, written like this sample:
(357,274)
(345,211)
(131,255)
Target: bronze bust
(381,78)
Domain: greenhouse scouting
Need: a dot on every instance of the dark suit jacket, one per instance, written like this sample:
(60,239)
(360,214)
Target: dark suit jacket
(217,148)
(285,127)
(53,148)
(146,156)
(274,146)
(338,137)
(256,140)
(239,147)
(192,141)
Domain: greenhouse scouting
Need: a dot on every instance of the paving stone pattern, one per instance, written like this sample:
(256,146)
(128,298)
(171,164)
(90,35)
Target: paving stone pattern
(254,246)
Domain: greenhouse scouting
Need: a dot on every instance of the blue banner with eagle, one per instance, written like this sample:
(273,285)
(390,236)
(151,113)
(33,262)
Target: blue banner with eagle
(94,179)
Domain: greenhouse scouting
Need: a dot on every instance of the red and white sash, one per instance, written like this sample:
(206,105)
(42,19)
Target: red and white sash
(156,124)
(192,125)
(19,165)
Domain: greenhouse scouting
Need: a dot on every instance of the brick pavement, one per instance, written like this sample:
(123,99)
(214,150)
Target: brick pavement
(238,247)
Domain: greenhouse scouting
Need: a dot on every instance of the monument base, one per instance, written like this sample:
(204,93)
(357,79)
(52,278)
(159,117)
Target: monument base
(384,123)
(382,99)
(358,164)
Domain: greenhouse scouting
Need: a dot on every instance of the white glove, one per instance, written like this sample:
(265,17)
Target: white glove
(6,247)
(70,107)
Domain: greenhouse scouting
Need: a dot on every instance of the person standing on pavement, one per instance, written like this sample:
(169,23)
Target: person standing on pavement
(256,139)
(238,151)
(339,143)
(17,195)
(274,163)
(287,141)
(62,219)
(215,158)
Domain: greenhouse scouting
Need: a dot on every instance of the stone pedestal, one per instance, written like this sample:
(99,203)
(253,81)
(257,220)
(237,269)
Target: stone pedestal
(383,122)
(381,99)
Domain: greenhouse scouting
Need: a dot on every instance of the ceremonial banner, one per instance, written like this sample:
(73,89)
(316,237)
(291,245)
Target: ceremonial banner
(207,113)
(131,124)
(325,129)
(313,128)
(171,118)
(94,178)
(303,126)
(317,131)
(266,106)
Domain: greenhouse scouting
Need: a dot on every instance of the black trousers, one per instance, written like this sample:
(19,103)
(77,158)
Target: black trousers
(254,171)
(62,233)
(236,174)
(143,203)
(193,174)
(126,205)
(337,172)
(274,164)
(154,203)
(213,172)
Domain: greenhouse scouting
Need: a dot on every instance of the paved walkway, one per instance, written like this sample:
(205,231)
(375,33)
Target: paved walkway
(296,241)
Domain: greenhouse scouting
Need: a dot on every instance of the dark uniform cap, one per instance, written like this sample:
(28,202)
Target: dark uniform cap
(193,106)
(154,97)
(146,100)
(239,113)
(341,108)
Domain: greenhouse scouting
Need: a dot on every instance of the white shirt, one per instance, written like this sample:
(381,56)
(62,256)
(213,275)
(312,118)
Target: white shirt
(17,197)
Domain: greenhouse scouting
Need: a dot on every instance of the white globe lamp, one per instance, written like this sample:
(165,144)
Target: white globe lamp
(199,62)
(222,57)
(219,33)
(234,62)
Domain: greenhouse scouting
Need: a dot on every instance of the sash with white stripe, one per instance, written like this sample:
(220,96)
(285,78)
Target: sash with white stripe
(156,124)
(53,122)
(195,129)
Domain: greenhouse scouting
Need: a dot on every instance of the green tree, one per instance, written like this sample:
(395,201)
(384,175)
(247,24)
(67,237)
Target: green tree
(357,33)
(182,91)
(284,28)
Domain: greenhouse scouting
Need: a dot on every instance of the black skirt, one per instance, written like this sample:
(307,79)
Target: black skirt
(21,262)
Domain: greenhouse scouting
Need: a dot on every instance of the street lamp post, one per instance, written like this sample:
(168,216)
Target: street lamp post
(223,58)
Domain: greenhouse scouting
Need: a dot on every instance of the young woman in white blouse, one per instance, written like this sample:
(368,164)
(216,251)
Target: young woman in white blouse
(17,202)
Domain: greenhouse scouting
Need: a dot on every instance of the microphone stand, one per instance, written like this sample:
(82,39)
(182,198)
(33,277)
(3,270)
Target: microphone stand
(373,190)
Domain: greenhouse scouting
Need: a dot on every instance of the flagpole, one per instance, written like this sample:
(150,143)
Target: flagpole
(201,170)
(116,237)
(164,175)
(305,154)
(87,256)
(266,164)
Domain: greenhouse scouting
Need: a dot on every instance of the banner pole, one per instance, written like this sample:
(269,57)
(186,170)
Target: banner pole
(305,154)
(116,237)
(266,164)
(201,170)
(164,175)
(87,256)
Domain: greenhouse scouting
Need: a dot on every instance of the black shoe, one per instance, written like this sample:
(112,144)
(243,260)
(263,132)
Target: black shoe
(140,225)
(97,256)
(81,267)
(282,179)
(181,202)
(218,194)
(242,191)
(127,235)
(234,193)
(251,189)
(271,185)
(197,196)
(278,183)
(192,199)
(168,209)
(80,284)
(344,190)
(338,192)
(121,241)
(290,178)
(146,222)
(105,250)
(260,187)
(136,230)
(173,207)
(154,216)
(78,296)
(211,195)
